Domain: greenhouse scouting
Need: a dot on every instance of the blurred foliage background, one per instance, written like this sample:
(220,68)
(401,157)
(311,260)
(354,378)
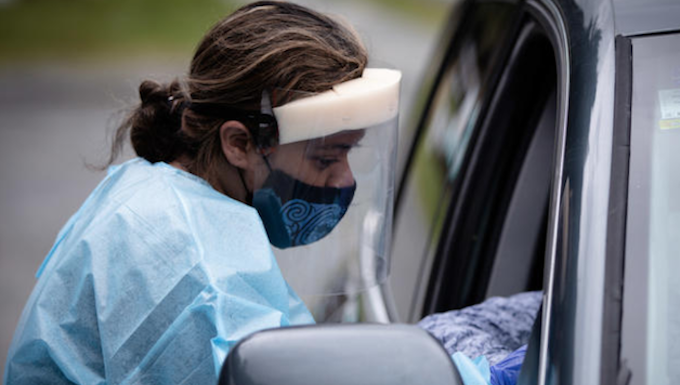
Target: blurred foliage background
(49,29)
(33,30)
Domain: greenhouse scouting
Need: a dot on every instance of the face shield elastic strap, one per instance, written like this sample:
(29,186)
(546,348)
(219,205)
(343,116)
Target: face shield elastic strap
(262,125)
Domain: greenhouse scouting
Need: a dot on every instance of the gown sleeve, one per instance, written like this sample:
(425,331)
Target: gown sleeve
(146,296)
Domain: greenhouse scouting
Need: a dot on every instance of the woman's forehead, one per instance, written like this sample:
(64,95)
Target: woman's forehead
(343,139)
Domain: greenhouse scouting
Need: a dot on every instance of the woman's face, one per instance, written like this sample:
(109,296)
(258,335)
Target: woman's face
(318,162)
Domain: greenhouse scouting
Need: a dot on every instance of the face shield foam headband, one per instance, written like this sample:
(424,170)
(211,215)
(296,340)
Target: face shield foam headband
(355,104)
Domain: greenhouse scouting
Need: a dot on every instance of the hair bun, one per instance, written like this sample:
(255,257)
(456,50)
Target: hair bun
(151,92)
(155,126)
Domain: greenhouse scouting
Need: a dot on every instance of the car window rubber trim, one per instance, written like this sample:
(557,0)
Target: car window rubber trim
(613,371)
(549,15)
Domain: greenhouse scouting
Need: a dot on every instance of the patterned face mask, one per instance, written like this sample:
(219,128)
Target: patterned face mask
(295,213)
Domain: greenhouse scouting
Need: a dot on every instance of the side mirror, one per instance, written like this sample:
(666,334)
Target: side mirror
(340,355)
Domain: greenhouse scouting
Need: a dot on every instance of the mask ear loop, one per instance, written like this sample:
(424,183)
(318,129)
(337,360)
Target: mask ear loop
(249,194)
(266,161)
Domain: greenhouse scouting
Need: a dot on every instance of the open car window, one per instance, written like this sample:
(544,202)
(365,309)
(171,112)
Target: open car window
(440,148)
(495,231)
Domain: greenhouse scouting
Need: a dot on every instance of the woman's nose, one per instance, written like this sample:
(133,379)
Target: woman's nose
(341,175)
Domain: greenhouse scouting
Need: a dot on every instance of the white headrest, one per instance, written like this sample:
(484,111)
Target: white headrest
(355,104)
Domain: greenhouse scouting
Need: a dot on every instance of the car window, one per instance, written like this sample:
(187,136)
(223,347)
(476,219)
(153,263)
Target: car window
(650,344)
(494,241)
(440,149)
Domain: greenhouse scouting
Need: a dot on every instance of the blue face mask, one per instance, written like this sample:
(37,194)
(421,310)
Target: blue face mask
(295,213)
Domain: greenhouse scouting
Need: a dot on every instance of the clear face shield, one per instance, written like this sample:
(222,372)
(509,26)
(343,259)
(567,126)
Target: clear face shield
(325,192)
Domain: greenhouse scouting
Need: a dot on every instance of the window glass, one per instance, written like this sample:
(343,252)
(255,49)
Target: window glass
(440,150)
(651,338)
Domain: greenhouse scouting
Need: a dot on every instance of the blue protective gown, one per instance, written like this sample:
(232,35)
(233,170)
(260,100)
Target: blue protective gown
(152,281)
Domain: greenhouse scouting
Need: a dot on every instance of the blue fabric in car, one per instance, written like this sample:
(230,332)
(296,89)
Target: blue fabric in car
(506,372)
(494,328)
(472,372)
(478,372)
(152,281)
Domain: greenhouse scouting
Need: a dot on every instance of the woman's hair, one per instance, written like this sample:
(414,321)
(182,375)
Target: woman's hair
(263,46)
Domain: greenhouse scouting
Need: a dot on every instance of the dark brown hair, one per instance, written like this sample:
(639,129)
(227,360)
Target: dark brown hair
(265,45)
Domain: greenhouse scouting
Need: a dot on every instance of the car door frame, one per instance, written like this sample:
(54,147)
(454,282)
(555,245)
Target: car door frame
(571,332)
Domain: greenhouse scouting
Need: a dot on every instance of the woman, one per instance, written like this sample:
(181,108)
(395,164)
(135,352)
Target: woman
(167,264)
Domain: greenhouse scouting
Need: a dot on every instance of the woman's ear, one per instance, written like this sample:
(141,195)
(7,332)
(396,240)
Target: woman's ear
(235,141)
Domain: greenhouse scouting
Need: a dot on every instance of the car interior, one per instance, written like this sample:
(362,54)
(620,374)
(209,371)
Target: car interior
(495,245)
(488,234)
(490,239)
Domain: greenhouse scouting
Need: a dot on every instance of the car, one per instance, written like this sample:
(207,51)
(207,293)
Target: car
(544,157)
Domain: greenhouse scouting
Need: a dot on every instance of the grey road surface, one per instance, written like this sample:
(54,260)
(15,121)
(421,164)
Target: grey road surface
(54,118)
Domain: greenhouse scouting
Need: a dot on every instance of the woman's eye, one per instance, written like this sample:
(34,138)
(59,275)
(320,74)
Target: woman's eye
(325,162)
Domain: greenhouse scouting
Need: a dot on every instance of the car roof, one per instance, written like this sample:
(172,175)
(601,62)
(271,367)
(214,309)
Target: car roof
(641,17)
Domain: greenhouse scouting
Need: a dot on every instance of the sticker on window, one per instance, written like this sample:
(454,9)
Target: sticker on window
(669,101)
